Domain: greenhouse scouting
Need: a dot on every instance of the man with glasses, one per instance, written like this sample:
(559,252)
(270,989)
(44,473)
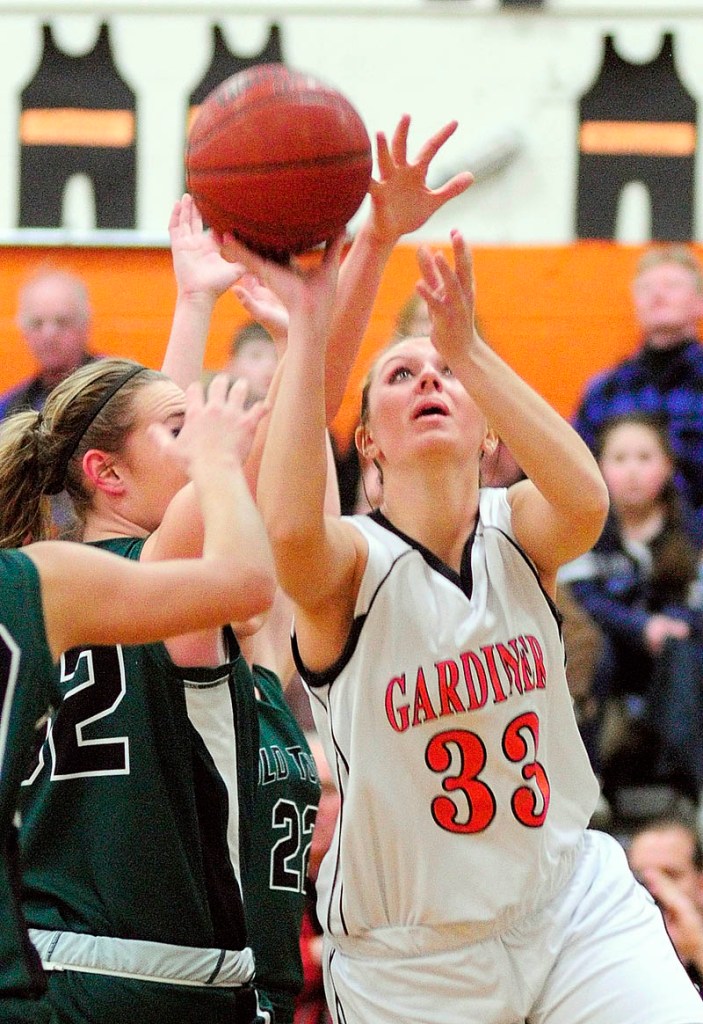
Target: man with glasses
(54,317)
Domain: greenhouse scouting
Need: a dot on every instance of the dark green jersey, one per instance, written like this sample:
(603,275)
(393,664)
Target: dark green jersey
(26,690)
(274,884)
(131,815)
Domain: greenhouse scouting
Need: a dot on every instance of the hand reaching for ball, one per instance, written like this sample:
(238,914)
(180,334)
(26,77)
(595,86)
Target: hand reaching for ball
(401,200)
(306,292)
(198,264)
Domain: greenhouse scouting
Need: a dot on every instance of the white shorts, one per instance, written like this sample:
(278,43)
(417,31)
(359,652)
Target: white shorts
(597,953)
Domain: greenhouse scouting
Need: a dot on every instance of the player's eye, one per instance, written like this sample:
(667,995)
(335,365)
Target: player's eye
(175,431)
(400,373)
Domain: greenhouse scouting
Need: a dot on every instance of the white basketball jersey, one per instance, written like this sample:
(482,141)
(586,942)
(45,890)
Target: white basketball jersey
(448,723)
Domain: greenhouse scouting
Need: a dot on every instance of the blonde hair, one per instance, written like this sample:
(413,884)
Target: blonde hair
(680,255)
(41,453)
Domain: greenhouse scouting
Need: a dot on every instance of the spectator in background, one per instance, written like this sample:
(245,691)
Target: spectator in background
(54,317)
(636,584)
(253,357)
(665,375)
(666,856)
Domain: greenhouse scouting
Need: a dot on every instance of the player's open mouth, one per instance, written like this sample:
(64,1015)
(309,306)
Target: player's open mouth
(430,409)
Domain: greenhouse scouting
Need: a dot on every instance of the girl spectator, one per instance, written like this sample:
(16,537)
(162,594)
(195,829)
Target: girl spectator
(636,584)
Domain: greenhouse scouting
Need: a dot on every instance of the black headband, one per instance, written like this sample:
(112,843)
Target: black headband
(56,484)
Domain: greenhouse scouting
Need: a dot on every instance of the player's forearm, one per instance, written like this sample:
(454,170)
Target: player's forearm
(292,478)
(185,352)
(359,278)
(544,445)
(235,537)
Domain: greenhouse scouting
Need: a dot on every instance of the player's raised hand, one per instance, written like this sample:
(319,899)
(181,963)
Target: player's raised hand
(450,296)
(401,200)
(306,291)
(198,264)
(264,307)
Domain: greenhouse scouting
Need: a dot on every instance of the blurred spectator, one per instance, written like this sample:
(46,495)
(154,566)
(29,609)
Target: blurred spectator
(636,584)
(311,1007)
(54,317)
(666,856)
(253,357)
(665,375)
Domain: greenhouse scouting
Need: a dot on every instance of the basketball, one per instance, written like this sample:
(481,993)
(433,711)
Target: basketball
(279,159)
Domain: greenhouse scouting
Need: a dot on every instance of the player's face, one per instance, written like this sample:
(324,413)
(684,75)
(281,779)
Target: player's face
(152,478)
(635,466)
(667,852)
(256,363)
(417,406)
(667,303)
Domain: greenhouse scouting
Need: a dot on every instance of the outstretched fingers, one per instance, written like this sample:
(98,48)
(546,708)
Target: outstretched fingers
(195,218)
(383,157)
(458,183)
(433,145)
(431,281)
(463,264)
(399,142)
(454,187)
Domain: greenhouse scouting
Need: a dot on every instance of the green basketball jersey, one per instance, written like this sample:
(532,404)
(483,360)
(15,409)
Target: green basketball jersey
(131,814)
(26,691)
(274,884)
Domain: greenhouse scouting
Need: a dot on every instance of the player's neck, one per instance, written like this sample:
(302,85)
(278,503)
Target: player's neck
(107,525)
(440,513)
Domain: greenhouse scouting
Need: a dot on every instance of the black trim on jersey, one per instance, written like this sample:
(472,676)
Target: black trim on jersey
(339,756)
(338,1008)
(327,676)
(201,677)
(463,579)
(558,617)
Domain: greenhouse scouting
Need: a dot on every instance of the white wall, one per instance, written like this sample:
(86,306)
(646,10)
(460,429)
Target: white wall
(511,77)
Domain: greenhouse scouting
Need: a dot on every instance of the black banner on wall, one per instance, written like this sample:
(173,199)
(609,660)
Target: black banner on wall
(77,116)
(637,123)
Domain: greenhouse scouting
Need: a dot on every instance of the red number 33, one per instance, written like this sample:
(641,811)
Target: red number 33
(529,803)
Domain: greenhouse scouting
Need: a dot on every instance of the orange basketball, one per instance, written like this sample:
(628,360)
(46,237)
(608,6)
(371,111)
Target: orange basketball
(278,158)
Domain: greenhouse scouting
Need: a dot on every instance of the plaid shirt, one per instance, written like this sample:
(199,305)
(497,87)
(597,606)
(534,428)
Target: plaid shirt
(664,382)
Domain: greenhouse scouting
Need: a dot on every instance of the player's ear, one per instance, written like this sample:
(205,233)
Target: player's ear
(101,471)
(364,442)
(490,442)
(367,447)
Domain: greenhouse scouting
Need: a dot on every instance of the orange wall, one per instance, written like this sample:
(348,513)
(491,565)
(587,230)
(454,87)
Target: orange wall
(557,314)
